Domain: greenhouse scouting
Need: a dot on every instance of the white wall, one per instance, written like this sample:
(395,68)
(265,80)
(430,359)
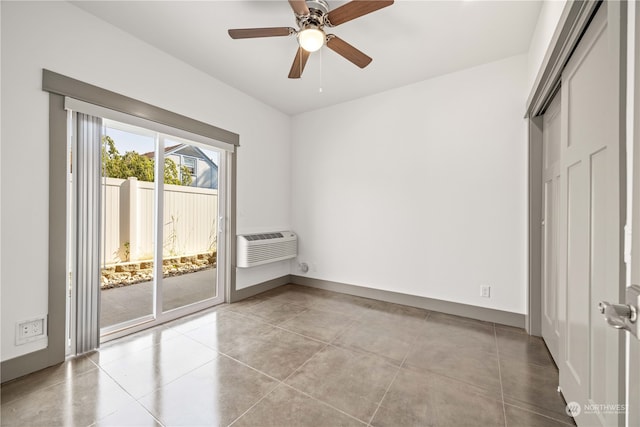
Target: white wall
(419,190)
(545,27)
(64,39)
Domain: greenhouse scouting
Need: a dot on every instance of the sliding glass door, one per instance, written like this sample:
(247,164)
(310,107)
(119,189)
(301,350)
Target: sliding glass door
(127,226)
(190,224)
(161,204)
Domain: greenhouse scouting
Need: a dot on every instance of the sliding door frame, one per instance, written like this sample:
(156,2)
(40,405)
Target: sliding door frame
(159,314)
(58,87)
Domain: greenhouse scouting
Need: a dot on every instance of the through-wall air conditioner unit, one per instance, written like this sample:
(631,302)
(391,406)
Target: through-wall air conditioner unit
(263,248)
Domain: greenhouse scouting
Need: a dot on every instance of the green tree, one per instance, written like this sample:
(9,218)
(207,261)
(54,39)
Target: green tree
(132,164)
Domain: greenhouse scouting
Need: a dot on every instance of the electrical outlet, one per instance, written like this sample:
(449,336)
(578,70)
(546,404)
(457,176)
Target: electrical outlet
(485,291)
(31,330)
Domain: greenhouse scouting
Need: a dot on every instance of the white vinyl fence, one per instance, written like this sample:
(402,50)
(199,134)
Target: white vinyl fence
(127,222)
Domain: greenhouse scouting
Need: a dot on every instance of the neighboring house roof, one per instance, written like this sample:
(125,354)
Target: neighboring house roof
(152,154)
(184,150)
(195,152)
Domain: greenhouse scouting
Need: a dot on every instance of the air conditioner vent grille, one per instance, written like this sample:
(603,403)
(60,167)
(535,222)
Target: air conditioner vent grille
(266,236)
(262,248)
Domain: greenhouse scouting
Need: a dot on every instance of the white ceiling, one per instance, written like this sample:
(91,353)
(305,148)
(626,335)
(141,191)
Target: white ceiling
(409,41)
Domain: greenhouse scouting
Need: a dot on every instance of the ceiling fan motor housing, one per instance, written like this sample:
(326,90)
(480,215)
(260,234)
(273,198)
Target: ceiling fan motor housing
(319,5)
(316,18)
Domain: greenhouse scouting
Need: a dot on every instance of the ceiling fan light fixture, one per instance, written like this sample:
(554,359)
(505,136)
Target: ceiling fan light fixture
(312,16)
(311,39)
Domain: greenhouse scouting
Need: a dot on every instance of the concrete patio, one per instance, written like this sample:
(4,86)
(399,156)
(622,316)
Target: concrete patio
(130,302)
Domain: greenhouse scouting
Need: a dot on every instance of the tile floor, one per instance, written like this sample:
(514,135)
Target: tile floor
(298,356)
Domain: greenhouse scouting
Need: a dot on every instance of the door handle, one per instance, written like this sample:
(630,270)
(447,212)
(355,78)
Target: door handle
(623,316)
(617,314)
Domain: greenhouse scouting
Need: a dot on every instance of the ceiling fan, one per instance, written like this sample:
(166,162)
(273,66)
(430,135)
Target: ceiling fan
(312,16)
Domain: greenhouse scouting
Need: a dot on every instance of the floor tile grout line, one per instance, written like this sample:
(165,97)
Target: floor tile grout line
(384,395)
(305,362)
(311,396)
(306,305)
(249,366)
(259,319)
(283,383)
(414,368)
(306,310)
(514,359)
(165,384)
(522,408)
(286,301)
(351,322)
(132,396)
(273,325)
(97,350)
(160,343)
(362,352)
(255,404)
(93,361)
(388,360)
(504,409)
(456,379)
(279,382)
(325,344)
(100,369)
(264,320)
(323,403)
(397,372)
(219,355)
(56,383)
(282,327)
(343,331)
(266,374)
(301,334)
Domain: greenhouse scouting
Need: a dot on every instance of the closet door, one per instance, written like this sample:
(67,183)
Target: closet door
(551,186)
(590,225)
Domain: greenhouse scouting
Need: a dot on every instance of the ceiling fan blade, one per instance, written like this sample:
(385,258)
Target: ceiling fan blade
(299,7)
(355,9)
(249,33)
(298,63)
(347,51)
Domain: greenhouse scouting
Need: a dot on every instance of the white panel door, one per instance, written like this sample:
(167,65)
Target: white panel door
(633,362)
(551,211)
(590,225)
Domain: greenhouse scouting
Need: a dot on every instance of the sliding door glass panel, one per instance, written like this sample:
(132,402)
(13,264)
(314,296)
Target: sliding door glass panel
(128,185)
(190,212)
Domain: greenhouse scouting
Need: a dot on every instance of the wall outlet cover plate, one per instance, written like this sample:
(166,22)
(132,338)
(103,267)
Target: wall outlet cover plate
(31,330)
